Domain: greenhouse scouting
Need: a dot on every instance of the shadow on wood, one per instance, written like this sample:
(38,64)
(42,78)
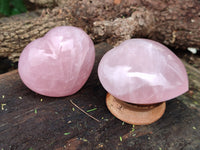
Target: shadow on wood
(32,121)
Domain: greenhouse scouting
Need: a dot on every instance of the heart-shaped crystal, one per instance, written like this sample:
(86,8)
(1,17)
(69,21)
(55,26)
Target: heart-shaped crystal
(142,71)
(59,63)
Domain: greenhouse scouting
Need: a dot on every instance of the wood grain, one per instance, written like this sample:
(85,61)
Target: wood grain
(173,23)
(32,121)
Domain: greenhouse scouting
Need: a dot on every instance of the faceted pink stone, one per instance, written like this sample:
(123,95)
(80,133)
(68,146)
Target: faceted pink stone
(59,63)
(142,71)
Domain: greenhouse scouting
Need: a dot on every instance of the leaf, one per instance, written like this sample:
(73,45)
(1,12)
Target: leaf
(194,128)
(91,110)
(67,133)
(12,7)
(5,7)
(2,106)
(18,6)
(15,11)
(83,139)
(133,128)
(35,111)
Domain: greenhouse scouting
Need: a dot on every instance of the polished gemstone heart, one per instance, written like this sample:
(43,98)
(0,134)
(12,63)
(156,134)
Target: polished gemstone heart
(142,71)
(59,63)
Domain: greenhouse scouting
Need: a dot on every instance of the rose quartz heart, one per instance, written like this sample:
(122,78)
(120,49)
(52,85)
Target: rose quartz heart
(142,71)
(59,63)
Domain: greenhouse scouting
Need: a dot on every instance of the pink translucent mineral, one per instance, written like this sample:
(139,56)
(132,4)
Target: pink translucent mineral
(142,71)
(59,63)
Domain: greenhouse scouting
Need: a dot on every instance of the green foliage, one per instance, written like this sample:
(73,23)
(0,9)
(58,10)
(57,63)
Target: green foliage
(12,7)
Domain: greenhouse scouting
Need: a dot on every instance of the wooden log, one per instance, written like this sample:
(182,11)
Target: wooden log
(174,23)
(32,121)
(45,3)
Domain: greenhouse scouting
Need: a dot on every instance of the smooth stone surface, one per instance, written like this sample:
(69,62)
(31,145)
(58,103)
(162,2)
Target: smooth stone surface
(59,63)
(142,71)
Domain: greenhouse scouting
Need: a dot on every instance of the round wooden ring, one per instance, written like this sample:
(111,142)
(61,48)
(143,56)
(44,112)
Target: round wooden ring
(133,113)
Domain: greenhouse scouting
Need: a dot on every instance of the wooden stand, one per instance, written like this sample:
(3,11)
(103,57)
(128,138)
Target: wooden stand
(133,113)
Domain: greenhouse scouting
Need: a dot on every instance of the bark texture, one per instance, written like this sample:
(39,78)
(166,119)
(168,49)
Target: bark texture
(175,23)
(45,3)
(32,121)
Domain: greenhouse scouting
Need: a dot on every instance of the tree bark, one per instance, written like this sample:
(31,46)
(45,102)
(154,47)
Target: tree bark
(45,3)
(176,23)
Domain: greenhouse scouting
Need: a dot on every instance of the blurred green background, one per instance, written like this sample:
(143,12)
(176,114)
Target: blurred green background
(12,7)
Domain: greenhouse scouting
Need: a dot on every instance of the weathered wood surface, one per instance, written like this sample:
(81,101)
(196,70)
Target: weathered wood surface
(176,23)
(22,127)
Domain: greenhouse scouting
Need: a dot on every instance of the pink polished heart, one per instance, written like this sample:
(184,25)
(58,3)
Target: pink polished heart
(59,63)
(142,71)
